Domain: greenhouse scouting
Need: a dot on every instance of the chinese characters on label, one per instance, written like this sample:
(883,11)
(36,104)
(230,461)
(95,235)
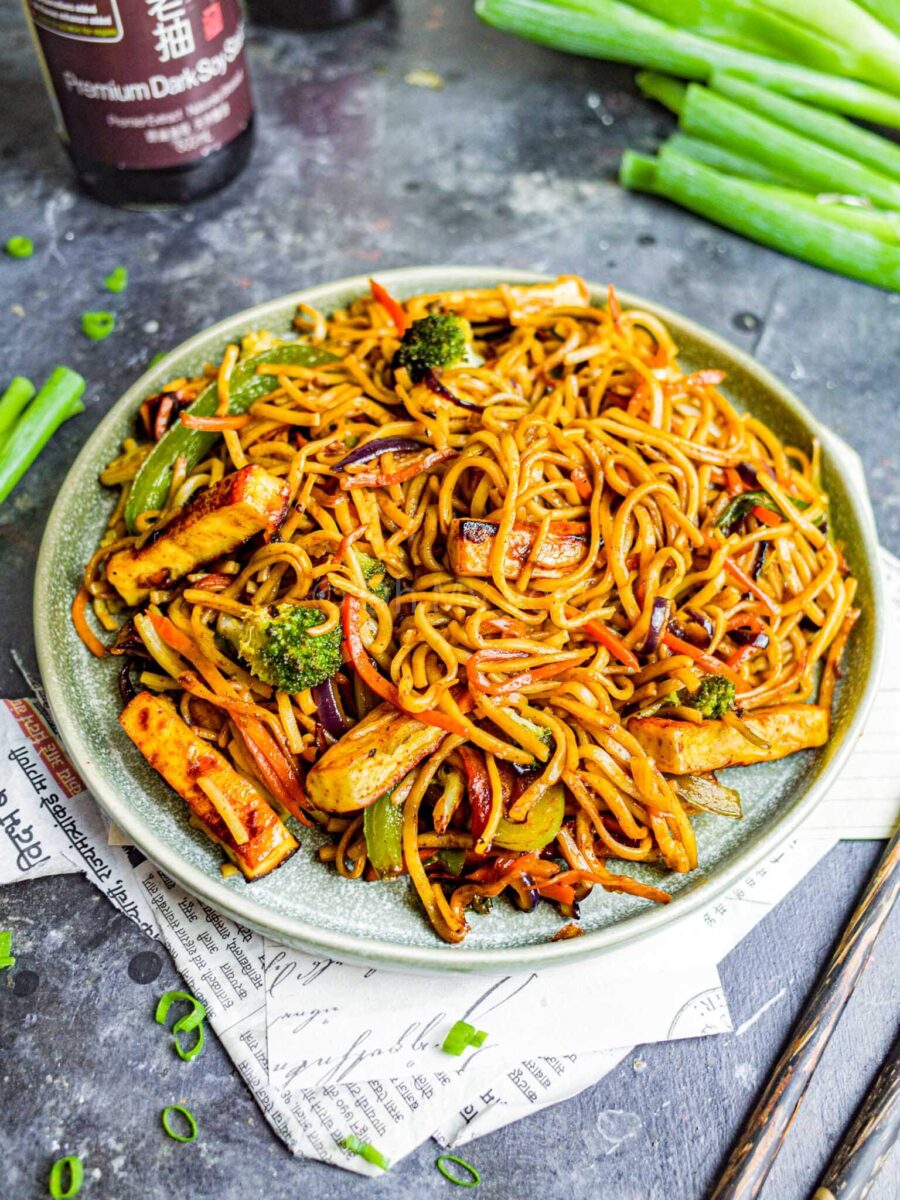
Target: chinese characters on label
(172,31)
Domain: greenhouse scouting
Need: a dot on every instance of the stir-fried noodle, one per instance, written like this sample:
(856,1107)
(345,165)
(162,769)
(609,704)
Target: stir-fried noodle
(536,558)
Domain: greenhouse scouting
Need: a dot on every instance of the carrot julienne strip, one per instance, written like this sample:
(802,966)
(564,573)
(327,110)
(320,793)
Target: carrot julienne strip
(749,585)
(712,666)
(606,637)
(563,893)
(476,666)
(79,620)
(766,515)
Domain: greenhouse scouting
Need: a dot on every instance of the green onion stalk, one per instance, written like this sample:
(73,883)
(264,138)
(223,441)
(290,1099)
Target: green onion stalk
(729,161)
(757,212)
(613,30)
(57,401)
(876,152)
(706,114)
(12,404)
(837,37)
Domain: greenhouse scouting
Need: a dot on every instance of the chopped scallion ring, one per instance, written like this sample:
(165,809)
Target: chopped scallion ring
(187,1055)
(462,1036)
(6,959)
(97,325)
(19,247)
(194,1017)
(460,1162)
(73,1166)
(187,1115)
(158,357)
(365,1150)
(117,280)
(192,1020)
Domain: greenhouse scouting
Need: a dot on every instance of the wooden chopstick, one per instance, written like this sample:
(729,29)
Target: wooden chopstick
(870,1139)
(761,1138)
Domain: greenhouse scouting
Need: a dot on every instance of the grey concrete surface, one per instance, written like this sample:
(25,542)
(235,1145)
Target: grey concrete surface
(355,170)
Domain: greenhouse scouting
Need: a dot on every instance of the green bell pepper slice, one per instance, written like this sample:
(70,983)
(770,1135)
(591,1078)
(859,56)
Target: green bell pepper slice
(383,828)
(151,487)
(539,828)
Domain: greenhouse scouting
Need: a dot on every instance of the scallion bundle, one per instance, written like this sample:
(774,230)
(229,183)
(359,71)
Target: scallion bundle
(622,32)
(762,148)
(27,425)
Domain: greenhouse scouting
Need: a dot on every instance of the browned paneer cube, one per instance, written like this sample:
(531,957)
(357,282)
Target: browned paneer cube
(682,748)
(370,760)
(229,809)
(469,546)
(248,502)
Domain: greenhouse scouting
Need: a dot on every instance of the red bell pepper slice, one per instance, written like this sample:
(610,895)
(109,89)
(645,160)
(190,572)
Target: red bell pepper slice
(479,786)
(392,307)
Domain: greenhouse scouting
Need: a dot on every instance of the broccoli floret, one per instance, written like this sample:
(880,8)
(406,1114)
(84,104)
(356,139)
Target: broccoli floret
(376,576)
(713,698)
(439,340)
(277,646)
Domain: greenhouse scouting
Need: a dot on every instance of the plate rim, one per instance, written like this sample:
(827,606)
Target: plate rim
(439,958)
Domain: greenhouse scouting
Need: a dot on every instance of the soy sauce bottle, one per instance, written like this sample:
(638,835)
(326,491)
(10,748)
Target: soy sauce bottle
(151,97)
(310,14)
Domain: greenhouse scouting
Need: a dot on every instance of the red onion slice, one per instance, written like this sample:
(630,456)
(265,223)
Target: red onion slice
(432,381)
(659,619)
(377,447)
(333,720)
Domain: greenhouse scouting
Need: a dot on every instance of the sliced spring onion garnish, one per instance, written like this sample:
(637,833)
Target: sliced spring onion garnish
(365,1150)
(117,280)
(191,1053)
(460,1162)
(167,999)
(19,247)
(71,1166)
(97,325)
(192,1020)
(186,1115)
(462,1036)
(6,959)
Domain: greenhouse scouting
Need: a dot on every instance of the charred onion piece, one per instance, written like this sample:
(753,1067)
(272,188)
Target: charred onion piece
(378,446)
(660,616)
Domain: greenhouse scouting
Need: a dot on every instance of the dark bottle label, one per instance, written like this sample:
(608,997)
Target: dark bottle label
(145,83)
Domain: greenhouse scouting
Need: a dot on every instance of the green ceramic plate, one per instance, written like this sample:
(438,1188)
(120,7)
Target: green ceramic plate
(309,906)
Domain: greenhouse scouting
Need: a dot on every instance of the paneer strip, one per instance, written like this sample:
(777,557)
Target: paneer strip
(248,502)
(370,760)
(682,748)
(469,546)
(518,301)
(228,808)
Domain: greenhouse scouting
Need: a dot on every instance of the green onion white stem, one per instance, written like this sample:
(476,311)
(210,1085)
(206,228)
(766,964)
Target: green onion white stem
(752,209)
(886,11)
